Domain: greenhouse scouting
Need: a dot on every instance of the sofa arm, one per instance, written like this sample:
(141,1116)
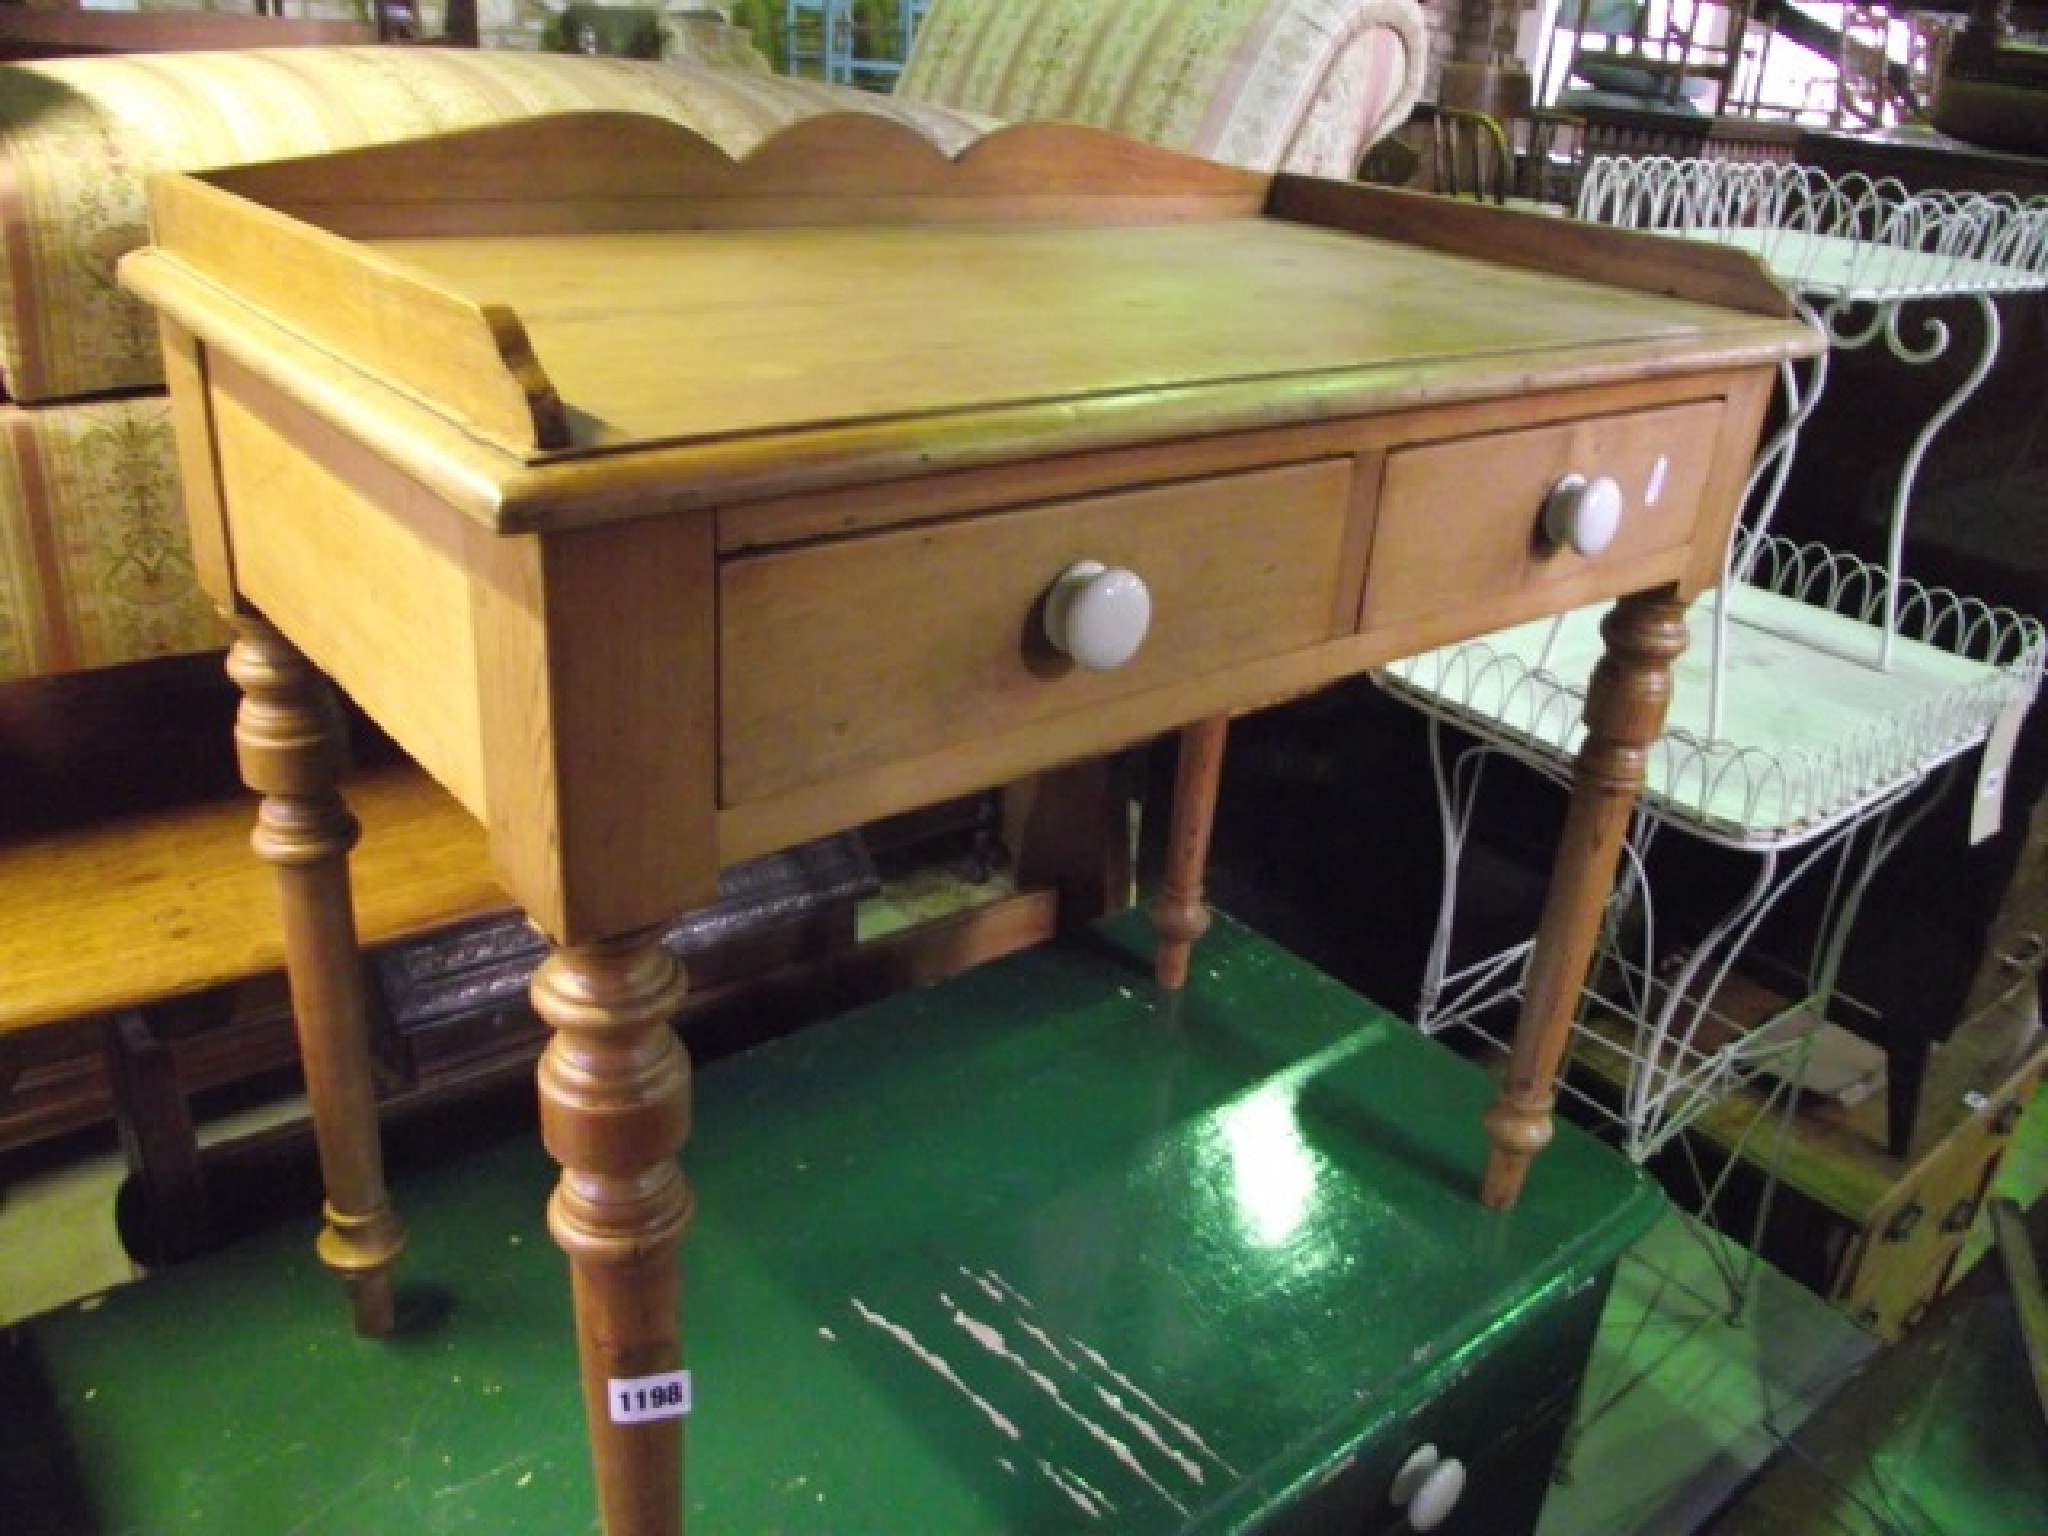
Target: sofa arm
(1297,85)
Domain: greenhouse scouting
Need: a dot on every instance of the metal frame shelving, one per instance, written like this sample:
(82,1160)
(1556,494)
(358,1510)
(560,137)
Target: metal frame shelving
(1822,691)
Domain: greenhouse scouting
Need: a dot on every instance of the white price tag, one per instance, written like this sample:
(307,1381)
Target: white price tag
(643,1399)
(1988,811)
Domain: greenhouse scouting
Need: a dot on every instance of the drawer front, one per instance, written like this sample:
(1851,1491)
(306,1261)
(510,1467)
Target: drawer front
(1461,521)
(843,656)
(1503,1413)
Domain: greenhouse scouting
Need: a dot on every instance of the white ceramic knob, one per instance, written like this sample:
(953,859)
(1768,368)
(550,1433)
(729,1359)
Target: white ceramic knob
(1428,1487)
(1098,615)
(1584,513)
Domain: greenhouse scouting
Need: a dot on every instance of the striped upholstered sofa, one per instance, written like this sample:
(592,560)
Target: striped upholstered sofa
(1297,85)
(94,565)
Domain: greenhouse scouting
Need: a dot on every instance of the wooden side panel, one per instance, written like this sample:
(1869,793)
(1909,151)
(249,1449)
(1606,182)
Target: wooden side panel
(361,567)
(1621,258)
(198,473)
(616,171)
(467,359)
(597,667)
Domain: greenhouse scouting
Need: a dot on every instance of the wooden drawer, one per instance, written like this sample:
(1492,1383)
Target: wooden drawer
(1537,1364)
(1461,521)
(839,656)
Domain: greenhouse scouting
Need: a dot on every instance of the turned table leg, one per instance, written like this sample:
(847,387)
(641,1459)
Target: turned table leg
(289,744)
(1179,916)
(1625,707)
(615,1111)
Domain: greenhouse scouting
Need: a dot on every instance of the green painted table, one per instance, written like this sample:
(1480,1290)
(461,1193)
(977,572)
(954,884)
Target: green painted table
(1041,1250)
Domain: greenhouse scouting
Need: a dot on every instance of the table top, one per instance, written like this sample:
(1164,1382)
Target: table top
(793,328)
(719,318)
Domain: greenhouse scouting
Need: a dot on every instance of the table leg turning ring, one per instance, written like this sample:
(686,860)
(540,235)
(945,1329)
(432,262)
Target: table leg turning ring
(1625,709)
(615,1112)
(288,742)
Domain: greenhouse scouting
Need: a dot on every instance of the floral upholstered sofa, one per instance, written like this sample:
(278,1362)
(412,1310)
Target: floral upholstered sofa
(1298,85)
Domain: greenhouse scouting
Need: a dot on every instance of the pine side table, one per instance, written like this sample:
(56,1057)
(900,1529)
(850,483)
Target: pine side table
(671,510)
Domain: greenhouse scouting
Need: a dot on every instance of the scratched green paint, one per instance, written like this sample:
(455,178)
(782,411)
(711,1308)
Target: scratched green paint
(1040,1250)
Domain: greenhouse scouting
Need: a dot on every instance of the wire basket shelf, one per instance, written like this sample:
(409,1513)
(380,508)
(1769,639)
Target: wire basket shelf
(1813,731)
(1848,238)
(1822,691)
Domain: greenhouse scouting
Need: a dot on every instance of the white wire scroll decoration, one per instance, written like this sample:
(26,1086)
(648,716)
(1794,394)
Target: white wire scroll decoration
(1770,793)
(1850,236)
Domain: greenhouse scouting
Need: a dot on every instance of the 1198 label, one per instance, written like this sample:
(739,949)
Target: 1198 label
(640,1399)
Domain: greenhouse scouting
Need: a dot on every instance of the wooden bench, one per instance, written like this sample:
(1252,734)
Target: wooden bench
(139,939)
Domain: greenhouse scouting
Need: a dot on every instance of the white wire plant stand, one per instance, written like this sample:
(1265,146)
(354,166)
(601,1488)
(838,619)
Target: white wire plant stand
(1821,691)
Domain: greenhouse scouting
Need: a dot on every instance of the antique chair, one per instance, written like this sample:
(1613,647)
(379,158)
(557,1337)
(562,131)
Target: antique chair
(1534,158)
(1470,155)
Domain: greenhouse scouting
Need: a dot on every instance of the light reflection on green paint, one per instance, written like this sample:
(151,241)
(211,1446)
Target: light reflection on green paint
(1272,1171)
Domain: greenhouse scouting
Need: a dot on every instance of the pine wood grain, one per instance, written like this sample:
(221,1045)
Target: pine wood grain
(948,489)
(845,320)
(198,469)
(1460,521)
(1179,916)
(366,573)
(1162,305)
(596,681)
(1644,263)
(470,360)
(1624,713)
(656,337)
